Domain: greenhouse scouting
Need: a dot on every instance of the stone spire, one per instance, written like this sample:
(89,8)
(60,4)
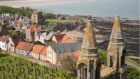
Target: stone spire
(89,40)
(116,36)
(116,50)
(116,31)
(87,65)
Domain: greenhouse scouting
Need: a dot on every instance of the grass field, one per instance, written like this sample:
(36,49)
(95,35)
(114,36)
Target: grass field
(59,21)
(16,68)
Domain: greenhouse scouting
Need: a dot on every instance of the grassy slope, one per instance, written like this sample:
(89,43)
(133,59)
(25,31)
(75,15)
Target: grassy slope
(17,68)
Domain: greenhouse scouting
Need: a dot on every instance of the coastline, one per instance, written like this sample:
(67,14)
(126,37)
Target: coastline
(41,2)
(94,8)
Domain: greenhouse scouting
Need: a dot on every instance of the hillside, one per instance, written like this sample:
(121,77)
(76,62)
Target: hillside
(17,68)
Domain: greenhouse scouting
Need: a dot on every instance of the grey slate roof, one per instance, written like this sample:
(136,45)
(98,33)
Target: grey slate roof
(65,48)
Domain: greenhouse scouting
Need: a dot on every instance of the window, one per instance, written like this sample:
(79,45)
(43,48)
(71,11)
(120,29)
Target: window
(111,61)
(11,45)
(123,58)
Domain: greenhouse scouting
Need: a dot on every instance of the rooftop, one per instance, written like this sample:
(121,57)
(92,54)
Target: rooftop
(24,46)
(65,48)
(44,51)
(37,48)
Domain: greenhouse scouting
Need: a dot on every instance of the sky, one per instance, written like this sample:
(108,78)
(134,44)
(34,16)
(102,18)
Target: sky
(19,3)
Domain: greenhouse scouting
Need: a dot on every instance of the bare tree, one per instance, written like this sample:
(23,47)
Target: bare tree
(68,63)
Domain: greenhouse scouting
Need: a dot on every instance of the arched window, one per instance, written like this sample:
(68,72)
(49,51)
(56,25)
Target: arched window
(123,57)
(111,61)
(83,71)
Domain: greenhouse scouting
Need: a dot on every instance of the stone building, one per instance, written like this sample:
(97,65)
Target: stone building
(88,66)
(38,18)
(116,51)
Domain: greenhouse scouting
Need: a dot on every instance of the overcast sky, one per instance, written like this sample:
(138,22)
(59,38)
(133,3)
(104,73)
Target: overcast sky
(19,3)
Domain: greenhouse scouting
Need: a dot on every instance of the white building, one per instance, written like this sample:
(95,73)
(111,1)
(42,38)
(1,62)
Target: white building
(4,43)
(37,49)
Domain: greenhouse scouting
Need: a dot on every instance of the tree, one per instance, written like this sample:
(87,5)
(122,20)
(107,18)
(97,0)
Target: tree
(68,62)
(52,25)
(14,34)
(23,11)
(102,56)
(50,16)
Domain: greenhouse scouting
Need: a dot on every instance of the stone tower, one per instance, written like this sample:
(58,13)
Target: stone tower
(37,17)
(116,50)
(87,65)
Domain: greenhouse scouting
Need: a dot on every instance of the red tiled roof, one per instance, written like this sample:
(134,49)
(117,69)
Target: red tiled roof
(76,53)
(32,28)
(37,48)
(59,37)
(67,39)
(21,45)
(28,46)
(24,46)
(44,51)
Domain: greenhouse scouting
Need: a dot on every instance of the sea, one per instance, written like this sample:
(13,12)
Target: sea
(99,8)
(96,8)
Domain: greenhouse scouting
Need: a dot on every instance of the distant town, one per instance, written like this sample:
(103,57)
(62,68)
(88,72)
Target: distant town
(50,39)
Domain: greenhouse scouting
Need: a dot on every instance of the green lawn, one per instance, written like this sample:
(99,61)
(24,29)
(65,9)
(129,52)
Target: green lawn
(59,21)
(18,68)
(132,73)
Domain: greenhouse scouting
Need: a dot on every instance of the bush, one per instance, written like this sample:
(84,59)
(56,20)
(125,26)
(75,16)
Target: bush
(132,73)
(102,56)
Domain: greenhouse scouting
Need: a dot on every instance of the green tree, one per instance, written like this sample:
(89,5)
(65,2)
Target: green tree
(14,34)
(23,10)
(52,26)
(102,56)
(49,16)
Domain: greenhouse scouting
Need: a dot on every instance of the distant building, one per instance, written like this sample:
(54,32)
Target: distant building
(58,38)
(24,48)
(12,43)
(3,42)
(38,18)
(5,17)
(33,32)
(44,56)
(37,49)
(56,51)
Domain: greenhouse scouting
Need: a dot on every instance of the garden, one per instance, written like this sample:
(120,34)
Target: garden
(17,68)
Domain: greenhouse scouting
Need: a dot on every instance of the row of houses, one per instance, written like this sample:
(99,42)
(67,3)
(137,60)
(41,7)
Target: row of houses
(52,51)
(49,53)
(37,33)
